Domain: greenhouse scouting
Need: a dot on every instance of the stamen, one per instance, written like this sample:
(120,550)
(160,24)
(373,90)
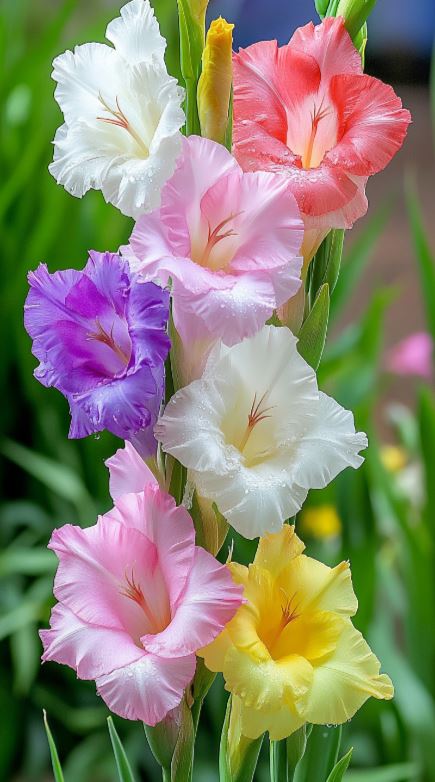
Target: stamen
(120,120)
(316,117)
(288,612)
(214,237)
(134,592)
(107,339)
(255,416)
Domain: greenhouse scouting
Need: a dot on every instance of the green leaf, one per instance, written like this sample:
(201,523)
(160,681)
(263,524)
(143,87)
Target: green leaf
(296,746)
(320,755)
(124,770)
(427,436)
(59,478)
(312,336)
(57,769)
(425,259)
(357,256)
(278,761)
(400,772)
(339,770)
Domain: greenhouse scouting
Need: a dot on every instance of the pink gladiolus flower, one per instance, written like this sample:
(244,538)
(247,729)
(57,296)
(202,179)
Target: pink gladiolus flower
(228,240)
(137,599)
(308,110)
(412,356)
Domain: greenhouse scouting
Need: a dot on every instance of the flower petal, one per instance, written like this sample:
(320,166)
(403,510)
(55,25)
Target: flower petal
(319,587)
(168,527)
(208,603)
(93,566)
(373,124)
(147,689)
(330,444)
(344,682)
(330,45)
(280,722)
(274,552)
(90,650)
(128,472)
(136,34)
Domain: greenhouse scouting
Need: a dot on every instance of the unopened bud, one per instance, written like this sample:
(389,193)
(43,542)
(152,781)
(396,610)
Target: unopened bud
(355,13)
(214,87)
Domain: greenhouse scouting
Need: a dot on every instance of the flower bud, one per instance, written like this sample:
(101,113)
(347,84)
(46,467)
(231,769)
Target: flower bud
(214,87)
(198,10)
(355,13)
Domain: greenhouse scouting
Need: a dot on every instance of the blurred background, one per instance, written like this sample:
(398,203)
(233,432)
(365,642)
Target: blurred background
(381,517)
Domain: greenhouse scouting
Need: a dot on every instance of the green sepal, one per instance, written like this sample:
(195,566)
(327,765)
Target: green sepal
(355,14)
(55,762)
(339,770)
(182,761)
(191,48)
(326,263)
(312,336)
(200,686)
(124,769)
(249,750)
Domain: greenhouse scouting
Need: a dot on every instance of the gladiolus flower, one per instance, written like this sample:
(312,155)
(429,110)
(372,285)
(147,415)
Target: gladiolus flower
(214,86)
(291,654)
(102,342)
(412,356)
(308,110)
(321,521)
(137,599)
(229,242)
(122,114)
(257,434)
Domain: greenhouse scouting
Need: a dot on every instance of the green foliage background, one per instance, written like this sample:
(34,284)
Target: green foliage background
(47,480)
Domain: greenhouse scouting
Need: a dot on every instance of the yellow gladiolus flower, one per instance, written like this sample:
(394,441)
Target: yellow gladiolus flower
(214,86)
(321,521)
(291,654)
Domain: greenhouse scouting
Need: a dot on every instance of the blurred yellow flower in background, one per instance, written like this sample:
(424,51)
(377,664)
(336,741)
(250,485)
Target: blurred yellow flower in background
(394,457)
(291,654)
(214,86)
(321,521)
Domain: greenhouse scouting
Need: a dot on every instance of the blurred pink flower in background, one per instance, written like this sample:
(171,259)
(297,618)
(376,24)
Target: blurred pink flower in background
(412,356)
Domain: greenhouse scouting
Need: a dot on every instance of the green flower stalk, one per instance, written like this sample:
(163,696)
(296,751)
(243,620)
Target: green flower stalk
(214,87)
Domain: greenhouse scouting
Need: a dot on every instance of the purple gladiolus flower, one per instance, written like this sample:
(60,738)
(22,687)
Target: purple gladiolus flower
(101,340)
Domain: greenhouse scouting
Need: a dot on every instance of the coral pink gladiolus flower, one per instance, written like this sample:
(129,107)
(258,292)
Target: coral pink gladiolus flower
(137,599)
(228,240)
(307,109)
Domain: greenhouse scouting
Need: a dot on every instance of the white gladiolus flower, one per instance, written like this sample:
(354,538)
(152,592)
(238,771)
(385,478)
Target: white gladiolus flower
(122,114)
(257,434)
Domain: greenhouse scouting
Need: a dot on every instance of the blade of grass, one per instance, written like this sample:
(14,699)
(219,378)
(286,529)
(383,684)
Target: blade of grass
(57,769)
(124,769)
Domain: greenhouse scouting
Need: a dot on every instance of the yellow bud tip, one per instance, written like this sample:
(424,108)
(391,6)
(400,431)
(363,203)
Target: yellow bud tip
(214,87)
(321,522)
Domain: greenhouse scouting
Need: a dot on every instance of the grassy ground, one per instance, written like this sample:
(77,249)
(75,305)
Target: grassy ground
(387,523)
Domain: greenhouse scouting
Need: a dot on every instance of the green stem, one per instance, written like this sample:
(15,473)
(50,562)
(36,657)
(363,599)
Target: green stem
(166,775)
(278,761)
(191,107)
